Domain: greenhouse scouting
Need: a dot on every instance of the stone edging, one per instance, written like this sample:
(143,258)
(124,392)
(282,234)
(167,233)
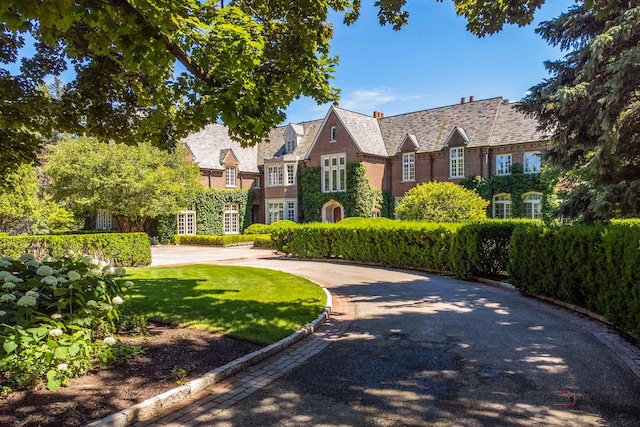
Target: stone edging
(153,406)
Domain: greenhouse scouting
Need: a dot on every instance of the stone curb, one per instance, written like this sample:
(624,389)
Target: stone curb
(153,406)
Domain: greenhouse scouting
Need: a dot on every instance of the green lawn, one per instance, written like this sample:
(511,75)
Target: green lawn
(255,304)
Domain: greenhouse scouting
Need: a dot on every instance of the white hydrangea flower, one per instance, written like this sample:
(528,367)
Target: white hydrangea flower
(55,332)
(110,340)
(9,286)
(7,258)
(94,272)
(32,293)
(2,313)
(26,257)
(12,278)
(128,284)
(92,303)
(49,280)
(120,271)
(117,300)
(44,270)
(56,316)
(101,264)
(7,298)
(4,274)
(27,301)
(47,258)
(63,367)
(68,253)
(106,307)
(73,275)
(88,260)
(4,263)
(108,270)
(62,280)
(32,263)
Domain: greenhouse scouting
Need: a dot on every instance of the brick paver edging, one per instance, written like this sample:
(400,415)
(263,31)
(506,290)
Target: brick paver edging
(155,405)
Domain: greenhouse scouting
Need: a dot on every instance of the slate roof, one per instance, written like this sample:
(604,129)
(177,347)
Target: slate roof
(210,145)
(364,130)
(308,130)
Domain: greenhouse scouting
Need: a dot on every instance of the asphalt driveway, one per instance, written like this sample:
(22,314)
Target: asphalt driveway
(427,350)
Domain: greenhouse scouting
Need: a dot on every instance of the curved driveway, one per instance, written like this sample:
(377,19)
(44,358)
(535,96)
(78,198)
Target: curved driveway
(427,350)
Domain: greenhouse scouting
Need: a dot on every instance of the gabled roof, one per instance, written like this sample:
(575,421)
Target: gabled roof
(212,144)
(409,139)
(225,154)
(276,147)
(363,129)
(457,131)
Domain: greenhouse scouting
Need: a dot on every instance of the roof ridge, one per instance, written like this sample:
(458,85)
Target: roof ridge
(443,107)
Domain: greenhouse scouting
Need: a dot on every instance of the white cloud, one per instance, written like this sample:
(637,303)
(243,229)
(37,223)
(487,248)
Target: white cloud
(367,100)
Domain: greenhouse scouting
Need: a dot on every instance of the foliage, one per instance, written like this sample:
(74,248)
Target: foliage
(595,267)
(18,197)
(255,304)
(357,200)
(258,229)
(123,249)
(54,314)
(262,241)
(137,182)
(225,240)
(590,108)
(441,202)
(51,217)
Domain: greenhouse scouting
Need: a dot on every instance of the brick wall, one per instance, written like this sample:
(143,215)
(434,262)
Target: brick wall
(343,143)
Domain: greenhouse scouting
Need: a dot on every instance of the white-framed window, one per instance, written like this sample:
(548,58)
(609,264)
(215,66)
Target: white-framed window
(503,164)
(274,176)
(456,162)
(230,174)
(334,173)
(291,174)
(257,182)
(103,219)
(186,222)
(532,205)
(291,212)
(531,162)
(408,166)
(231,218)
(275,212)
(502,206)
(332,136)
(290,146)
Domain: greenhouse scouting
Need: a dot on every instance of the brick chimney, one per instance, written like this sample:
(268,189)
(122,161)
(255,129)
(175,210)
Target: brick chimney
(463,100)
(378,115)
(472,98)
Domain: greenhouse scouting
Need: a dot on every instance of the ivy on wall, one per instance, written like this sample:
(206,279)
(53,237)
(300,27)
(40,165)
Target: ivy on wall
(357,200)
(210,204)
(516,185)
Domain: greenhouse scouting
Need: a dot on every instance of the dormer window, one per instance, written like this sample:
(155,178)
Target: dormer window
(290,146)
(332,137)
(230,176)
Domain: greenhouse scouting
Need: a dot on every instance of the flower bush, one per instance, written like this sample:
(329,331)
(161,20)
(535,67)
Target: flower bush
(57,316)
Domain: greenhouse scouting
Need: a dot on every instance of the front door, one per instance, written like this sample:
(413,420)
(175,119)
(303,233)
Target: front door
(337,212)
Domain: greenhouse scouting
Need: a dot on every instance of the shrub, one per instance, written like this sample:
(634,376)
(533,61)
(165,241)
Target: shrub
(442,202)
(258,229)
(54,315)
(262,241)
(228,239)
(121,249)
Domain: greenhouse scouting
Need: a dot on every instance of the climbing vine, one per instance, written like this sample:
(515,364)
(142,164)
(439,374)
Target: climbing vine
(516,185)
(357,200)
(210,205)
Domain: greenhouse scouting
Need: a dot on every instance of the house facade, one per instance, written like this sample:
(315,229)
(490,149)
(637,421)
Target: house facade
(483,138)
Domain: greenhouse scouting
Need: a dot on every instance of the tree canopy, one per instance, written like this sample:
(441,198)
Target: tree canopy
(442,202)
(137,182)
(590,106)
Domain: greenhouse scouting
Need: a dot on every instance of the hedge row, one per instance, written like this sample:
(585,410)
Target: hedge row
(594,267)
(228,239)
(123,249)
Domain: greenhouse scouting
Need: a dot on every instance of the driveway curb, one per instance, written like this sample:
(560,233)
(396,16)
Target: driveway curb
(153,406)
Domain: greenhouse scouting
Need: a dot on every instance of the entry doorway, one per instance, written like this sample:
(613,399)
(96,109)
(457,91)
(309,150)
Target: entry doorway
(332,211)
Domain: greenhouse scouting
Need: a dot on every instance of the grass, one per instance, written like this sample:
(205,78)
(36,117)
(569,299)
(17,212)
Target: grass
(254,304)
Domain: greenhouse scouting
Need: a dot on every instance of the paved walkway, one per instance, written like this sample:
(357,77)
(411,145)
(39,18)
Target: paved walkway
(409,348)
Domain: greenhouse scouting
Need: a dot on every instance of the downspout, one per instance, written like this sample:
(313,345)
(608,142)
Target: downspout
(431,167)
(481,162)
(209,178)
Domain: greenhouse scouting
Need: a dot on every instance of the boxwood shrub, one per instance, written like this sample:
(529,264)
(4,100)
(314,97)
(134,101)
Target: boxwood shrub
(228,239)
(121,249)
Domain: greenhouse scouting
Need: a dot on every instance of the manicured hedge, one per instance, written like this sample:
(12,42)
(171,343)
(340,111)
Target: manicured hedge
(595,267)
(229,239)
(123,249)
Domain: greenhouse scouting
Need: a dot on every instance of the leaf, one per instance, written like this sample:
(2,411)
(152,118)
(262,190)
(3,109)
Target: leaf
(61,352)
(9,346)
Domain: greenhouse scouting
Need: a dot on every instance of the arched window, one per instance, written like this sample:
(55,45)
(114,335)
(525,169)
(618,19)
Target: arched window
(502,206)
(532,205)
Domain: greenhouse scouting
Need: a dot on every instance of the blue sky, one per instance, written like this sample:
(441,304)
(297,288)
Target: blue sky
(432,62)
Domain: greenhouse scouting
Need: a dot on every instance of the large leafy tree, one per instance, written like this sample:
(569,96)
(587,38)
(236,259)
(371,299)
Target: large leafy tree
(442,202)
(136,182)
(18,198)
(591,108)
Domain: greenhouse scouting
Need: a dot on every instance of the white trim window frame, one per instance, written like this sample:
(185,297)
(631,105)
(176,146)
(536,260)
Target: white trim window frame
(456,162)
(408,167)
(531,160)
(502,206)
(532,205)
(231,218)
(186,222)
(332,134)
(334,173)
(274,176)
(503,164)
(290,146)
(230,176)
(291,212)
(275,211)
(103,219)
(291,173)
(256,182)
